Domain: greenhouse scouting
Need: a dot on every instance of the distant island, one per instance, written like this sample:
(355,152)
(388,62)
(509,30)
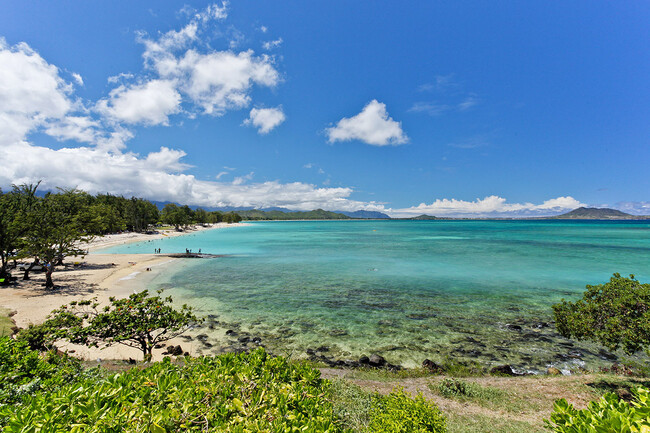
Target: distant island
(594,213)
(582,213)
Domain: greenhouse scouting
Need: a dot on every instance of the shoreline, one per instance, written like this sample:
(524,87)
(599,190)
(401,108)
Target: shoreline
(96,275)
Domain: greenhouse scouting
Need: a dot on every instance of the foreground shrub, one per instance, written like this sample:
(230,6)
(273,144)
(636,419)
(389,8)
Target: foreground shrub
(232,393)
(609,414)
(398,412)
(24,372)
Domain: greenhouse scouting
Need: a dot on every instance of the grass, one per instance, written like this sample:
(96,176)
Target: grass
(477,404)
(458,423)
(485,396)
(5,322)
(352,404)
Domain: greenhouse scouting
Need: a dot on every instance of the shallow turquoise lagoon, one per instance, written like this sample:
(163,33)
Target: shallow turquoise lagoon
(468,290)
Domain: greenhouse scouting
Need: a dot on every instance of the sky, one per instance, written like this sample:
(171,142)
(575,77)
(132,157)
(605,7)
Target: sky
(463,108)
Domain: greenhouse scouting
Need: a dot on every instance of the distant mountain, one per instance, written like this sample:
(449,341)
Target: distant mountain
(364,214)
(424,217)
(597,214)
(318,214)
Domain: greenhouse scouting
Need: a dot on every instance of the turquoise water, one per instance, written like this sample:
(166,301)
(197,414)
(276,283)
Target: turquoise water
(479,290)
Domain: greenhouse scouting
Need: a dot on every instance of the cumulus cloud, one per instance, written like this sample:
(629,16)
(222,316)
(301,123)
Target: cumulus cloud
(491,206)
(36,99)
(31,91)
(372,126)
(157,177)
(79,128)
(265,119)
(212,81)
(149,103)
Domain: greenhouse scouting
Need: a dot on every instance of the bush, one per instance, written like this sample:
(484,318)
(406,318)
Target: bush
(24,371)
(232,392)
(615,314)
(607,415)
(398,412)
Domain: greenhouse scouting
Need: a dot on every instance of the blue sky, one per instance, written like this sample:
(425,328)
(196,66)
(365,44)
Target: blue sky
(454,108)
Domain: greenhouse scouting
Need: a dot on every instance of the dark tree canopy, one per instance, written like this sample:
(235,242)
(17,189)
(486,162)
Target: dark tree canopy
(615,314)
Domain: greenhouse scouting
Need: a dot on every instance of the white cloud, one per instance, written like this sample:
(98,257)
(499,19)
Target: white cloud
(80,128)
(213,81)
(372,126)
(263,29)
(31,92)
(78,78)
(269,45)
(156,176)
(265,119)
(113,79)
(489,207)
(243,179)
(221,80)
(150,103)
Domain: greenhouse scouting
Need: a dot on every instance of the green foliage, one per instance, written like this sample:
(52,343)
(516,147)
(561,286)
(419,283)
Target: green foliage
(398,412)
(230,393)
(14,207)
(24,371)
(615,314)
(607,415)
(140,321)
(54,230)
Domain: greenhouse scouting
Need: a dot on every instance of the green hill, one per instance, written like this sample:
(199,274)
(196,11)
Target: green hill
(597,214)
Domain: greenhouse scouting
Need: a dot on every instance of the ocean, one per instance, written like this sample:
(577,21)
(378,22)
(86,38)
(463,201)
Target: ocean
(471,291)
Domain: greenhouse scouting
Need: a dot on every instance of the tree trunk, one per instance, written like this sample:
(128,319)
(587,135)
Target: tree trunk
(3,271)
(49,284)
(26,274)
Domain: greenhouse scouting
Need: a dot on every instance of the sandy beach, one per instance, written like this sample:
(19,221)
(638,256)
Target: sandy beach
(98,276)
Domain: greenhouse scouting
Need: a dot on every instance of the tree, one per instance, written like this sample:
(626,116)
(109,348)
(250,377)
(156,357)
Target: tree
(14,206)
(615,314)
(175,215)
(54,232)
(200,216)
(140,214)
(140,321)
